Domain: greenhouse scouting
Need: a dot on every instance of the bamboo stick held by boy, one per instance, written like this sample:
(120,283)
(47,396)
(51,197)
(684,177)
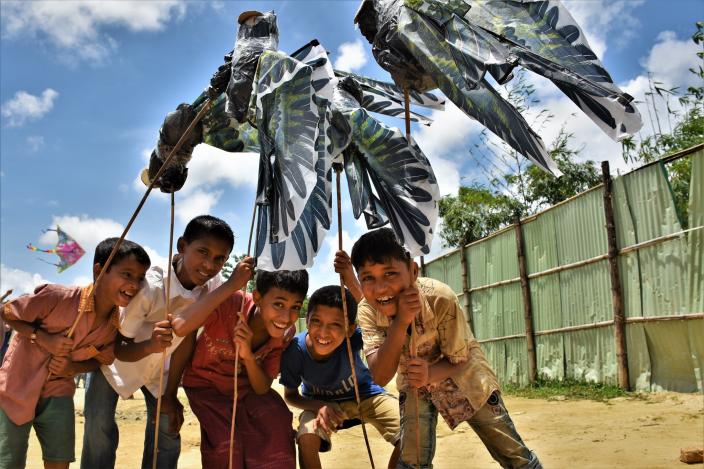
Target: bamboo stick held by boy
(450,373)
(29,396)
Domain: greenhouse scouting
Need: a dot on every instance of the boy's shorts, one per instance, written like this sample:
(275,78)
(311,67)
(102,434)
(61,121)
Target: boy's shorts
(54,424)
(380,411)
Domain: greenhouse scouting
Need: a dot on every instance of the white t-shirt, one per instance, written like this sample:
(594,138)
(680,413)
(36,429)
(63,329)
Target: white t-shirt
(137,322)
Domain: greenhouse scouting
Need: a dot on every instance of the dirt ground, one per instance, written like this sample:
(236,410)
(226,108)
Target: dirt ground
(644,432)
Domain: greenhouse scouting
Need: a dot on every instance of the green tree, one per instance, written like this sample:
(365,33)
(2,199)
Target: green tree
(478,210)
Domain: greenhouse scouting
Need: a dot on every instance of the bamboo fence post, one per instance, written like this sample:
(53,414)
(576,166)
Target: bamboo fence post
(350,356)
(166,315)
(616,293)
(527,307)
(465,289)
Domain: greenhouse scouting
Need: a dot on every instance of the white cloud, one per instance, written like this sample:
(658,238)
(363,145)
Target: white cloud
(155,257)
(352,56)
(88,232)
(605,21)
(19,281)
(669,60)
(27,107)
(82,280)
(197,203)
(74,28)
(35,143)
(444,143)
(210,166)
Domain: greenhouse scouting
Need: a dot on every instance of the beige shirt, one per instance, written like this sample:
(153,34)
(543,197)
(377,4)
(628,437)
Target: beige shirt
(137,322)
(442,333)
(53,308)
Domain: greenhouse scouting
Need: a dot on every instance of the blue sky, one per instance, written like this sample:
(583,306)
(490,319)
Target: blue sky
(84,88)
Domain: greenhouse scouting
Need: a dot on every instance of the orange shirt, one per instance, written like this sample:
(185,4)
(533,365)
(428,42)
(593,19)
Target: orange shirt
(213,361)
(53,308)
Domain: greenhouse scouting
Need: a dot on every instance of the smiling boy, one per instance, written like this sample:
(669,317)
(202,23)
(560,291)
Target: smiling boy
(144,333)
(36,379)
(318,359)
(450,372)
(263,438)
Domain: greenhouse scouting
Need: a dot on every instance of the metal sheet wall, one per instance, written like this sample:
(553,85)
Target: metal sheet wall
(665,279)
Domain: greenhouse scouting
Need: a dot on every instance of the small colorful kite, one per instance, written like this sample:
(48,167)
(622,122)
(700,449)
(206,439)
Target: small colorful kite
(68,250)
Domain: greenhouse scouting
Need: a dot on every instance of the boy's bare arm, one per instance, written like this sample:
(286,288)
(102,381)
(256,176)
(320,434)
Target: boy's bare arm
(293,397)
(170,405)
(384,362)
(258,379)
(127,350)
(195,314)
(343,266)
(67,368)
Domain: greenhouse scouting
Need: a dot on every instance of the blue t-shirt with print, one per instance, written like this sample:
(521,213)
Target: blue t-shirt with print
(328,380)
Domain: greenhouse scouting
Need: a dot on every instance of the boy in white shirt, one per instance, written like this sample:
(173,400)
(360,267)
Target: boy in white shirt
(203,249)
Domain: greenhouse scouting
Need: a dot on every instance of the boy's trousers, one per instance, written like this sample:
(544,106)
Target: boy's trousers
(101,436)
(491,423)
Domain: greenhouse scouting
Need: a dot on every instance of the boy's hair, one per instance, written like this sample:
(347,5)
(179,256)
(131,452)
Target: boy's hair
(294,281)
(330,296)
(208,225)
(127,248)
(378,247)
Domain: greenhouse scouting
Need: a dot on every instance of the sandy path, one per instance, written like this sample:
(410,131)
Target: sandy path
(623,432)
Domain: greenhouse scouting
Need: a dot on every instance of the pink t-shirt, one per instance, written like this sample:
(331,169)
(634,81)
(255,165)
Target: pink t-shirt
(23,376)
(213,361)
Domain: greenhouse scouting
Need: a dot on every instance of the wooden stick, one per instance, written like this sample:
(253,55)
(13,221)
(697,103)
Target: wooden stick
(166,316)
(237,348)
(5,295)
(414,333)
(164,165)
(343,293)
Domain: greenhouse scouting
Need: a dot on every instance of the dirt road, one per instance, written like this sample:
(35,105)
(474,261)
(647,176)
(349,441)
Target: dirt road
(623,432)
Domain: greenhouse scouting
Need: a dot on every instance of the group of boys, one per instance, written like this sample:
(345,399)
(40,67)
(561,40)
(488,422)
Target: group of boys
(126,324)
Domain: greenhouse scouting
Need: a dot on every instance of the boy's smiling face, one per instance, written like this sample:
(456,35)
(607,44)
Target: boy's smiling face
(201,260)
(382,283)
(326,330)
(121,282)
(279,309)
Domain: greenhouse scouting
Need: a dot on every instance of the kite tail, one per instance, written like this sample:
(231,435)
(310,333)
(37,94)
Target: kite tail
(34,248)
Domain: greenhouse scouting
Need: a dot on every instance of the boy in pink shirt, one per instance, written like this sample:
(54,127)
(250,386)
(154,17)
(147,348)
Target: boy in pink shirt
(36,379)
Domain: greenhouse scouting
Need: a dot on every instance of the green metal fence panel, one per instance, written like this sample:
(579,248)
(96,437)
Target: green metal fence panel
(590,355)
(659,272)
(660,280)
(550,355)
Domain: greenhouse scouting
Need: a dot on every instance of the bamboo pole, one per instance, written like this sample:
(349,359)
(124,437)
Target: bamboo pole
(414,333)
(237,348)
(343,293)
(616,294)
(527,308)
(204,109)
(465,289)
(166,316)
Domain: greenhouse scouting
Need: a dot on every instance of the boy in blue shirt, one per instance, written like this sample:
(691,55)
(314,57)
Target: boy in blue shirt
(318,359)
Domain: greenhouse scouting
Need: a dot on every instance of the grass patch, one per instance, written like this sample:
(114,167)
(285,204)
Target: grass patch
(567,389)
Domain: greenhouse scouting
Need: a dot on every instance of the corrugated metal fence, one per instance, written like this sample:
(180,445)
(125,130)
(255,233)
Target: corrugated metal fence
(567,279)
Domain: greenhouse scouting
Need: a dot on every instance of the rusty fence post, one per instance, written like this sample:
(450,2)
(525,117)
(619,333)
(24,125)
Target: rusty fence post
(465,289)
(527,308)
(616,294)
